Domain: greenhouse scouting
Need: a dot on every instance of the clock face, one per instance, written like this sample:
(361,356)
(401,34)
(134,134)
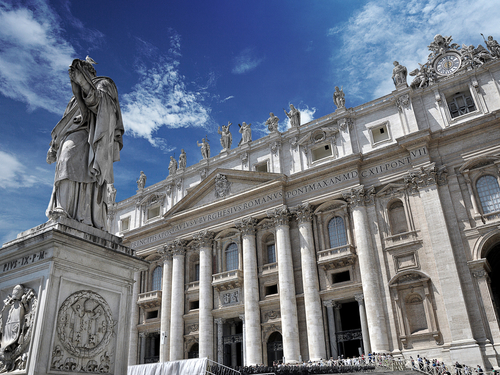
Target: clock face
(448,64)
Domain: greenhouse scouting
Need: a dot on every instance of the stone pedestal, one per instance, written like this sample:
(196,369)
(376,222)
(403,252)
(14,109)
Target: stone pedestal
(69,288)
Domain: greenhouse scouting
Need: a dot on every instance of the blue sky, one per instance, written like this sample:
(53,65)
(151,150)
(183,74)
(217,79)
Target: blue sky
(183,68)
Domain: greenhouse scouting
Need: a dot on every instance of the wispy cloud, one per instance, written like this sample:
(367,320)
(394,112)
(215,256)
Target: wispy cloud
(381,32)
(34,56)
(246,61)
(162,98)
(14,174)
(226,99)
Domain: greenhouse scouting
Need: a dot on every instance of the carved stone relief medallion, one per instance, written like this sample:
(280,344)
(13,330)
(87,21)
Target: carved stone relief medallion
(222,186)
(84,327)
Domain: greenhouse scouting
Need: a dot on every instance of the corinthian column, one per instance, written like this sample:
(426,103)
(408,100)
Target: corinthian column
(288,303)
(166,299)
(206,344)
(364,324)
(252,330)
(312,301)
(132,351)
(369,277)
(177,306)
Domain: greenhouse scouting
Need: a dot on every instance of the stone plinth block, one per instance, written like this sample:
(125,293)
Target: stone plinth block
(66,297)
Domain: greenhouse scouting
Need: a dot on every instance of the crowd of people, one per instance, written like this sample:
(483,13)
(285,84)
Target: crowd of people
(436,367)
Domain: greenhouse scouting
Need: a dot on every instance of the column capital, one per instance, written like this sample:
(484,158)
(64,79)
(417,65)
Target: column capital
(204,238)
(165,253)
(332,303)
(219,320)
(142,335)
(242,317)
(246,226)
(359,196)
(479,274)
(360,298)
(303,213)
(177,247)
(279,215)
(422,177)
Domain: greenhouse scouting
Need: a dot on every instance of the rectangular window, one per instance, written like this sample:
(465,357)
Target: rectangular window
(193,305)
(125,224)
(271,253)
(196,276)
(153,212)
(152,314)
(271,289)
(460,104)
(340,277)
(262,167)
(321,152)
(380,133)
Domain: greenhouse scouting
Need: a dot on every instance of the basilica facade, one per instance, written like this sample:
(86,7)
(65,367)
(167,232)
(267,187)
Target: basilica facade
(371,229)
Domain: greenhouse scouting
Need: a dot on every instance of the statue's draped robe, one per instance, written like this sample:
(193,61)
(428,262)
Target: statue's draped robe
(85,154)
(14,324)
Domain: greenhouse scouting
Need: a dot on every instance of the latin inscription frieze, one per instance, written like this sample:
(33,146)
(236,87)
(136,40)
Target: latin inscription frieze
(23,261)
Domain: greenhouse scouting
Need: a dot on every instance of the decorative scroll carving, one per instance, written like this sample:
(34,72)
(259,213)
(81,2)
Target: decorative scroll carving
(360,298)
(272,315)
(229,298)
(244,158)
(280,215)
(168,189)
(303,213)
(204,238)
(222,186)
(345,123)
(84,327)
(246,226)
(275,146)
(294,142)
(479,274)
(192,328)
(15,332)
(403,102)
(178,183)
(359,196)
(203,173)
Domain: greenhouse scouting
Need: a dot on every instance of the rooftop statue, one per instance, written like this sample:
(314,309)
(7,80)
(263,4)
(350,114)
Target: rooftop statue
(111,194)
(172,166)
(493,46)
(294,116)
(226,138)
(339,97)
(246,133)
(182,160)
(205,148)
(272,123)
(141,182)
(399,75)
(85,143)
(423,77)
(441,44)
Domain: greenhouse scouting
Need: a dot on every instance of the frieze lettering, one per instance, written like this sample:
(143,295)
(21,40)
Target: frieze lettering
(23,261)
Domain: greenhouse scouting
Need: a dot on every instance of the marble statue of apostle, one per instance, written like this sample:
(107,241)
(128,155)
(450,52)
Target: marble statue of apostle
(399,74)
(493,46)
(246,133)
(294,116)
(172,166)
(272,123)
(339,97)
(226,138)
(182,159)
(141,182)
(84,145)
(205,148)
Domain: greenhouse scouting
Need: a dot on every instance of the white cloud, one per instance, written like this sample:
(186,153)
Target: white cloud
(34,57)
(14,174)
(246,61)
(382,32)
(161,98)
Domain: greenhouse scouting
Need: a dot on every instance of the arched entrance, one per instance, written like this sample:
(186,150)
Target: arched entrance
(274,348)
(493,259)
(194,351)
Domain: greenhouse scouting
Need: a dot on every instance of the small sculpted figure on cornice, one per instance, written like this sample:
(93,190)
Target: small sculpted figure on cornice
(303,213)
(141,182)
(246,133)
(182,160)
(246,226)
(280,215)
(222,186)
(172,166)
(493,46)
(226,139)
(339,97)
(399,75)
(294,116)
(441,44)
(272,123)
(424,77)
(204,147)
(204,238)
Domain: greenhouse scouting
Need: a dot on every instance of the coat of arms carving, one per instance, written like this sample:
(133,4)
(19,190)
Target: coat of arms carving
(222,186)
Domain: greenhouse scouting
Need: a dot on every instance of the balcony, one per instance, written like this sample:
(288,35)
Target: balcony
(149,299)
(269,268)
(193,285)
(336,257)
(227,280)
(401,239)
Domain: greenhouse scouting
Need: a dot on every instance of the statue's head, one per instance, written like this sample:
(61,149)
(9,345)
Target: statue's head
(490,38)
(18,291)
(291,106)
(271,114)
(396,63)
(182,150)
(439,38)
(336,88)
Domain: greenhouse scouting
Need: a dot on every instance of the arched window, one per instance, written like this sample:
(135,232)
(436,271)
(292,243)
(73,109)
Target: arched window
(397,218)
(232,257)
(336,232)
(489,193)
(156,282)
(415,313)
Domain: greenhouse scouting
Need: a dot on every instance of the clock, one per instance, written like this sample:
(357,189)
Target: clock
(447,64)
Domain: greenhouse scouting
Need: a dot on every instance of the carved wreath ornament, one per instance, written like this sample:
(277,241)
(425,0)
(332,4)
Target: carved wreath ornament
(85,324)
